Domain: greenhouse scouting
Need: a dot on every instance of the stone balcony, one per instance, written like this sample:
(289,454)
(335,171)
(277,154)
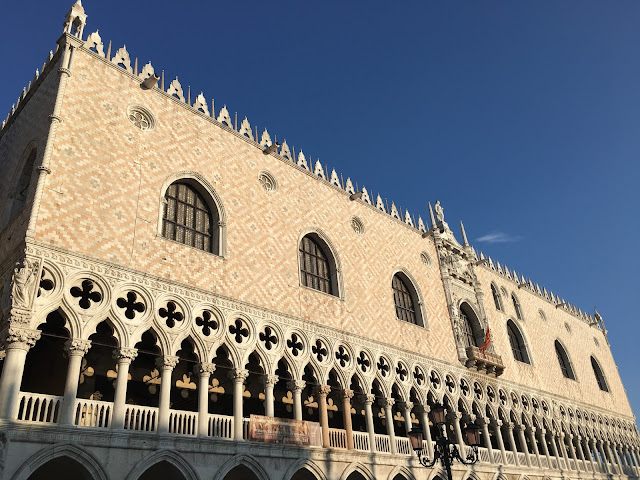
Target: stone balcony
(484,361)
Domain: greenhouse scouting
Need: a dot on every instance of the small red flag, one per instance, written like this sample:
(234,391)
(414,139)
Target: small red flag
(487,342)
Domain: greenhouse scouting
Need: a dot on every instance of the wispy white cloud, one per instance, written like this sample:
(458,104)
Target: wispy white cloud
(498,237)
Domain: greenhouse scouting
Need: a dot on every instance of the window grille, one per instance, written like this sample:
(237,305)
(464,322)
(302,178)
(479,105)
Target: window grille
(517,343)
(315,271)
(469,334)
(563,360)
(187,218)
(405,309)
(496,297)
(597,371)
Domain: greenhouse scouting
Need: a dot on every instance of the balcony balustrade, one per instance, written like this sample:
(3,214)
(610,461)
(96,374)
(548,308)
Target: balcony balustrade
(35,408)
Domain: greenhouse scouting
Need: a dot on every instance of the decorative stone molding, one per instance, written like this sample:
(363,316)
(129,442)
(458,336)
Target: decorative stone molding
(141,117)
(268,181)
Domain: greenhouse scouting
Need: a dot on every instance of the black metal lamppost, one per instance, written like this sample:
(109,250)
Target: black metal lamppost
(445,450)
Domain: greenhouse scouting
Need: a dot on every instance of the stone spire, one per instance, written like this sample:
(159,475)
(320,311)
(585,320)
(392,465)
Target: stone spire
(465,243)
(75,20)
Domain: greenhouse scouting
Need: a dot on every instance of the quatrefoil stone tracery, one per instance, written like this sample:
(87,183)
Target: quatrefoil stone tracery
(239,331)
(207,323)
(319,350)
(171,313)
(86,293)
(342,356)
(383,367)
(130,304)
(363,362)
(295,345)
(268,338)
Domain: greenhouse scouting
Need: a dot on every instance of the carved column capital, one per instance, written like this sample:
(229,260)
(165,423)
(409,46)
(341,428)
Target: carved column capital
(408,405)
(125,355)
(167,362)
(204,368)
(481,420)
(368,399)
(239,374)
(296,385)
(271,380)
(77,346)
(347,394)
(387,402)
(455,416)
(21,338)
(323,390)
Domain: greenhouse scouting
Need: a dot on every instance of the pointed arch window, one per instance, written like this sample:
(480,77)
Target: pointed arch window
(472,334)
(316,269)
(597,371)
(189,219)
(518,346)
(403,300)
(563,361)
(516,306)
(496,297)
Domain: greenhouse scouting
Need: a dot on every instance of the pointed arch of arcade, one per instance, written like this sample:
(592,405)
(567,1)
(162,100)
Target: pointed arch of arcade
(359,468)
(243,460)
(305,464)
(53,452)
(171,457)
(403,472)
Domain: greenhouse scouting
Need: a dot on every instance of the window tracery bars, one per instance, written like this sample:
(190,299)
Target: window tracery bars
(496,297)
(517,344)
(315,271)
(187,218)
(469,335)
(516,306)
(563,360)
(405,309)
(602,383)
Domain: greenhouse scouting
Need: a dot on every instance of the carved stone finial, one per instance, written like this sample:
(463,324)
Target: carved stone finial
(75,20)
(201,104)
(175,90)
(245,129)
(285,152)
(334,178)
(431,217)
(265,140)
(318,170)
(465,243)
(122,58)
(348,187)
(302,161)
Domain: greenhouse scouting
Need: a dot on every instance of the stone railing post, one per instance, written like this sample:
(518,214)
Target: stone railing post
(76,350)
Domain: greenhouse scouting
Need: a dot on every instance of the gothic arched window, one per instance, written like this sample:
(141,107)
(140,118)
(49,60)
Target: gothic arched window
(597,371)
(496,297)
(472,334)
(316,267)
(516,306)
(517,343)
(563,361)
(188,218)
(405,299)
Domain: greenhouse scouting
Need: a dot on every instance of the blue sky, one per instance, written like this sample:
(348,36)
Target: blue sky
(522,118)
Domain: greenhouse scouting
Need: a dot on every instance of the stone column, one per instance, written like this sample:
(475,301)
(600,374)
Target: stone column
(17,343)
(296,387)
(368,415)
(572,452)
(554,448)
(455,419)
(523,442)
(580,453)
(387,404)
(545,449)
(204,371)
(512,442)
(498,432)
(609,455)
(534,444)
(123,357)
(166,364)
(269,383)
(76,350)
(484,425)
(591,451)
(239,375)
(347,395)
(563,450)
(322,392)
(408,406)
(603,457)
(427,431)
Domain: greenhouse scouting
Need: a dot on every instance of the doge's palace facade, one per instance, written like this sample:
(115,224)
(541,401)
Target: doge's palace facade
(171,278)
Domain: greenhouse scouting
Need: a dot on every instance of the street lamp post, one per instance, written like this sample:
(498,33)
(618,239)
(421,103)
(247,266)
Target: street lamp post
(445,451)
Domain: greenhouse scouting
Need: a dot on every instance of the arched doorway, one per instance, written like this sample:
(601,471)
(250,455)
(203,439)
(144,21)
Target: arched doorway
(61,467)
(162,471)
